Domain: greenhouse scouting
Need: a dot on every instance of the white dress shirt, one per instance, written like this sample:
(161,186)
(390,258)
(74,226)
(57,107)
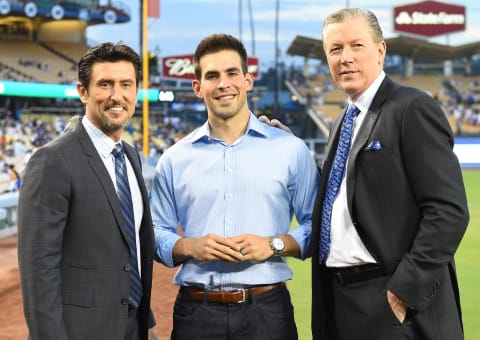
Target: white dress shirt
(346,247)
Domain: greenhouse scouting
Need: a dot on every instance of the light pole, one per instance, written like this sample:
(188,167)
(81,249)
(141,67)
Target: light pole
(252,26)
(276,77)
(240,20)
(145,71)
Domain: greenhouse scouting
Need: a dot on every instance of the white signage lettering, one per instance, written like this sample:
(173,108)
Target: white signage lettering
(419,18)
(71,93)
(179,67)
(166,96)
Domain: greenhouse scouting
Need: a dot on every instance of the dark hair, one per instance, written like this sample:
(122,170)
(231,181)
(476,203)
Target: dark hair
(216,43)
(107,52)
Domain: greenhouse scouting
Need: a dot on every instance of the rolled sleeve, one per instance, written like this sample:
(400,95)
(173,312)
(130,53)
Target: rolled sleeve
(165,242)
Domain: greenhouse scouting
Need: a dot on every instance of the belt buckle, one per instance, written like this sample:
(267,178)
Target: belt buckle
(244,295)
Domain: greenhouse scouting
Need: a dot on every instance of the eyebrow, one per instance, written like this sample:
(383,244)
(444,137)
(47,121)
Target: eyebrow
(209,73)
(230,69)
(110,80)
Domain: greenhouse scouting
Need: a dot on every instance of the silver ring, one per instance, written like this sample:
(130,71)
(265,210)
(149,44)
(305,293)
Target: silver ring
(242,251)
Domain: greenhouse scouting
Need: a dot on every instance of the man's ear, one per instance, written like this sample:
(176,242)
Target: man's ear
(82,92)
(249,81)
(196,88)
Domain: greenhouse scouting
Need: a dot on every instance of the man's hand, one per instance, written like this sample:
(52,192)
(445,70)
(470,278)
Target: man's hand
(275,123)
(210,247)
(152,334)
(253,247)
(399,307)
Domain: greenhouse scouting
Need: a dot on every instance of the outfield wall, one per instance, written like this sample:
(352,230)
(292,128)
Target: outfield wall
(467,150)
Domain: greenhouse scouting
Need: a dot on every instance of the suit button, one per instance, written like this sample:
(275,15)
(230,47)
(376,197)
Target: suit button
(124,301)
(127,267)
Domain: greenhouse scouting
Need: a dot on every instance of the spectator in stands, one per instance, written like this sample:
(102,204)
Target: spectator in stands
(387,271)
(15,180)
(77,251)
(4,175)
(234,199)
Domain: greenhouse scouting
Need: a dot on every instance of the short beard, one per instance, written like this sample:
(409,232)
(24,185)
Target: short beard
(110,127)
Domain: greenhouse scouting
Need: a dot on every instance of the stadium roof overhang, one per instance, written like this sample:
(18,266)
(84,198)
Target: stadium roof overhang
(409,47)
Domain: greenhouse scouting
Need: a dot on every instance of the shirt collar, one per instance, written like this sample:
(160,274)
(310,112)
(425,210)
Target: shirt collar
(365,100)
(103,143)
(255,127)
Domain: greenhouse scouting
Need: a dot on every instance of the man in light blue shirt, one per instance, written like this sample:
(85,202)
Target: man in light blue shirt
(233,187)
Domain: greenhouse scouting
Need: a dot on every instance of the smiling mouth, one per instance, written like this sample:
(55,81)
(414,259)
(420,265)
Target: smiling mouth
(225,97)
(115,108)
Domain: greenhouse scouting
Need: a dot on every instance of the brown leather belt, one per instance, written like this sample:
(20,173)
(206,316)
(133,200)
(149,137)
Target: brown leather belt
(229,296)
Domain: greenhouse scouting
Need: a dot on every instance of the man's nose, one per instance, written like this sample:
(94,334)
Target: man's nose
(117,93)
(223,81)
(347,55)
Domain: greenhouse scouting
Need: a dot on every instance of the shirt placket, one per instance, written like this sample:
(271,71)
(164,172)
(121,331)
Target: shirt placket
(229,199)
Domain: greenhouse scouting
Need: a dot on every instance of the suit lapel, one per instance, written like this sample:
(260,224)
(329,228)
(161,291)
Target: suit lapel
(364,133)
(98,168)
(146,231)
(137,168)
(325,173)
(333,139)
(134,161)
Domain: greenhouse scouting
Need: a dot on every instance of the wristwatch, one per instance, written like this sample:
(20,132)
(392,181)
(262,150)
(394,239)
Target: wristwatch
(277,245)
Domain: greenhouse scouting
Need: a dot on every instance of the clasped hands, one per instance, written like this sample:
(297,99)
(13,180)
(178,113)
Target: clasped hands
(245,247)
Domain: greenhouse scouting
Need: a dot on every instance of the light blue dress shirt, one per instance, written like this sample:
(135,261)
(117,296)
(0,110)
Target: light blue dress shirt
(256,185)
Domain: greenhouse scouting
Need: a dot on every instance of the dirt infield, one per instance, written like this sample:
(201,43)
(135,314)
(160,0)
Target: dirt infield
(12,323)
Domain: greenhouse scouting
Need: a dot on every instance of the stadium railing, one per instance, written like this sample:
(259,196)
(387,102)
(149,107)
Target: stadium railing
(8,213)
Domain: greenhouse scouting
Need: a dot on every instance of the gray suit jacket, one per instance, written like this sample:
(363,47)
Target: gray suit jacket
(72,248)
(407,201)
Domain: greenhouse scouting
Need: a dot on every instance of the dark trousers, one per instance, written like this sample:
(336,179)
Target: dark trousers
(265,317)
(361,311)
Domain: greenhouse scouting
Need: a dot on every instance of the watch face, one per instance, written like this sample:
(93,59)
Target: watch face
(278,244)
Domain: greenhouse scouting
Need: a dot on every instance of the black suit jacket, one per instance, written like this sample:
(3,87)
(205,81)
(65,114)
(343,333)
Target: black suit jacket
(72,247)
(408,204)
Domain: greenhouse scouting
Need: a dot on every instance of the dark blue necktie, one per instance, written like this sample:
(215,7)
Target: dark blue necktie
(125,199)
(336,176)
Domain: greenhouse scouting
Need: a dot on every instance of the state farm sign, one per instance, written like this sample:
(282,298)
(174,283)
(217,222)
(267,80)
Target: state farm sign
(429,18)
(181,66)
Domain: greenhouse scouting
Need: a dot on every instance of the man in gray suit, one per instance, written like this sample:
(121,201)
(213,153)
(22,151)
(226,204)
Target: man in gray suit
(75,253)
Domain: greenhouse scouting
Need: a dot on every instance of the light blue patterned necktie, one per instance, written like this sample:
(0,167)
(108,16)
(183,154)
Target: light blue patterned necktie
(125,200)
(336,176)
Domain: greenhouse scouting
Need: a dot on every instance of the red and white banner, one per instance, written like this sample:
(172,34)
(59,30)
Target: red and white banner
(429,18)
(181,66)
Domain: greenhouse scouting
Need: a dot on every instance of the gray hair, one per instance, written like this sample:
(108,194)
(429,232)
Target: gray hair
(349,13)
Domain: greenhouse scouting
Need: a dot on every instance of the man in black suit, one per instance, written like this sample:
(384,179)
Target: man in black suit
(75,252)
(400,211)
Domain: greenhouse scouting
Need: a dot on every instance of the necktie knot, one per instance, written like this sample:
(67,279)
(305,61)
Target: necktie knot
(117,151)
(353,111)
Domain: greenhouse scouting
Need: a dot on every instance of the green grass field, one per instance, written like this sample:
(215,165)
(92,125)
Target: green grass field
(468,270)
